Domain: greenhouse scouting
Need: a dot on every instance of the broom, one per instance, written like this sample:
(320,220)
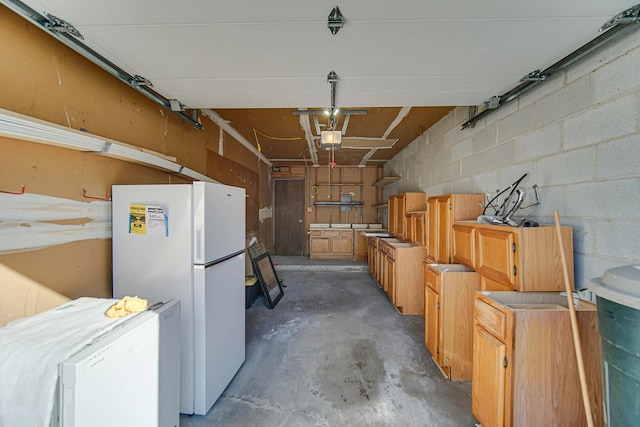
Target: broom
(574,325)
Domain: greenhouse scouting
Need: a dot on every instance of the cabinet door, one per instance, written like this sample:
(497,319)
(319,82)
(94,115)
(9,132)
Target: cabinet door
(380,268)
(392,282)
(371,259)
(382,271)
(431,324)
(320,245)
(432,230)
(391,212)
(342,244)
(420,229)
(496,256)
(360,246)
(409,231)
(464,245)
(401,219)
(489,376)
(444,231)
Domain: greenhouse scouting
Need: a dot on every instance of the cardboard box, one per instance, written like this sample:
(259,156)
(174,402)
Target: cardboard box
(22,297)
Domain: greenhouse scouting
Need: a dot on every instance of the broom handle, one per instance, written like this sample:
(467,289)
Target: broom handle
(574,325)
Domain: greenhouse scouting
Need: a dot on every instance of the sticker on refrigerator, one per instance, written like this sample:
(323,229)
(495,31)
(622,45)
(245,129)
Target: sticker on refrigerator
(148,220)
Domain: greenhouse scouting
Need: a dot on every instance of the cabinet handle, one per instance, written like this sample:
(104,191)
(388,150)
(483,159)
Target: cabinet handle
(513,248)
(515,270)
(504,362)
(438,305)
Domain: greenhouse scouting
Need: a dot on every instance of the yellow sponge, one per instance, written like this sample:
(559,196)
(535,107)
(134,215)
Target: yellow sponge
(126,306)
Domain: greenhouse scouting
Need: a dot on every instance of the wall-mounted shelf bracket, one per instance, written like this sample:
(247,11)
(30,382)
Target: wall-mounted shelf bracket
(386,181)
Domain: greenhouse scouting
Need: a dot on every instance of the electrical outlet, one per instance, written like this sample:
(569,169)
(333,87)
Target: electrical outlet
(309,209)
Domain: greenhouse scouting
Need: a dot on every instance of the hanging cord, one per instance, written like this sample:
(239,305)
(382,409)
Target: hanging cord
(512,187)
(256,132)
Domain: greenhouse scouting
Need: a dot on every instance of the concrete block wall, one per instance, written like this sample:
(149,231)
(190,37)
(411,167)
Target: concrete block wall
(577,136)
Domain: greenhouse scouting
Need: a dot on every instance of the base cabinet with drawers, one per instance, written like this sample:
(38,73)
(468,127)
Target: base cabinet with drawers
(377,260)
(513,258)
(448,317)
(331,244)
(399,274)
(524,366)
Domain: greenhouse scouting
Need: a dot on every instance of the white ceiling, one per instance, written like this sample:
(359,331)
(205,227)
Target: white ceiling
(277,54)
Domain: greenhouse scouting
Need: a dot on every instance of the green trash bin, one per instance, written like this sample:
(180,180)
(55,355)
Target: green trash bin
(618,297)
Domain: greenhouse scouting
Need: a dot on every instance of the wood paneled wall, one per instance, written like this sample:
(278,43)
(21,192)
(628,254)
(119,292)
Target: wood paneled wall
(42,78)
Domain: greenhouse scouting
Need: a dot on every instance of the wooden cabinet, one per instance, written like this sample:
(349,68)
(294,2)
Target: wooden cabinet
(376,259)
(392,221)
(489,379)
(359,245)
(372,249)
(524,366)
(399,205)
(464,245)
(401,275)
(417,227)
(449,299)
(442,211)
(331,244)
(513,258)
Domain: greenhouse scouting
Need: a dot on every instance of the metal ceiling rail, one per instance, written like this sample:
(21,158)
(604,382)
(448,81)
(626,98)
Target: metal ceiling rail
(613,29)
(68,35)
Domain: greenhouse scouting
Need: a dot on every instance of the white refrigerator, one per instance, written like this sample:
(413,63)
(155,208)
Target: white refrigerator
(187,242)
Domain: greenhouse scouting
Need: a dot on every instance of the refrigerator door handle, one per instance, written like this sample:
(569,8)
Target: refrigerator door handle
(199,244)
(218,261)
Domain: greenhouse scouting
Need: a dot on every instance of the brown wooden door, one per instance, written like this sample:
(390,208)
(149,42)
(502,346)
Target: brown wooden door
(288,217)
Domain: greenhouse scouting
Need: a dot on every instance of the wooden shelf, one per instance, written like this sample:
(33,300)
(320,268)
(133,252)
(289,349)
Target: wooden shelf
(386,181)
(338,203)
(381,206)
(339,184)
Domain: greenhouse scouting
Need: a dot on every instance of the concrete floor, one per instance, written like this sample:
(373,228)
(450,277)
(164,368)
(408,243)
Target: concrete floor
(334,352)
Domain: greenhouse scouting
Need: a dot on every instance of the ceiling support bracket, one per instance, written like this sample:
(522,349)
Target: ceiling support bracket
(138,81)
(534,76)
(335,21)
(53,23)
(613,29)
(629,16)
